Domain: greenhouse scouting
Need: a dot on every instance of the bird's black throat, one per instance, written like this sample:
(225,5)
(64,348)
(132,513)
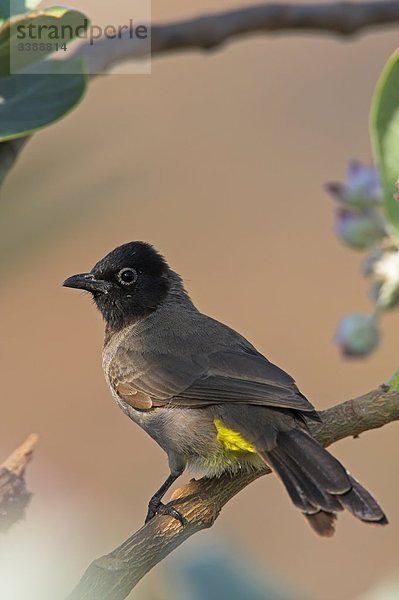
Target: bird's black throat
(120,308)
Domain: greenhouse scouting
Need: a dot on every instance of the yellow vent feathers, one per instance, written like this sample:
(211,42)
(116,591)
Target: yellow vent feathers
(232,440)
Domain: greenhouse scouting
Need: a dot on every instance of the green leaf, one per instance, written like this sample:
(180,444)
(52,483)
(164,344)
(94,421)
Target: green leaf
(384,119)
(32,100)
(393,383)
(26,39)
(9,8)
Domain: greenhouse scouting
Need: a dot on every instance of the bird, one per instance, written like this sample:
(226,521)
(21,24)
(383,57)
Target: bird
(206,395)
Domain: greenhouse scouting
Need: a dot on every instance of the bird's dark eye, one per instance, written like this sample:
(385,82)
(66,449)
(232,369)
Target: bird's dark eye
(127,276)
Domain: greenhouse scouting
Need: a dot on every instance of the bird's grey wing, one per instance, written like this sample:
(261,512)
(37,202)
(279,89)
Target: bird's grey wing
(244,376)
(239,375)
(154,379)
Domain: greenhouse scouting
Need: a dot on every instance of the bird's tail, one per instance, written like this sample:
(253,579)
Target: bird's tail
(317,482)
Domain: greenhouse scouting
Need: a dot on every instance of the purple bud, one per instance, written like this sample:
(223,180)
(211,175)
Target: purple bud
(362,188)
(369,263)
(359,229)
(375,291)
(357,335)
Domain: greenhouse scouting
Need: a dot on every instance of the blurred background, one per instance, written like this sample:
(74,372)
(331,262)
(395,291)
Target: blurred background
(219,160)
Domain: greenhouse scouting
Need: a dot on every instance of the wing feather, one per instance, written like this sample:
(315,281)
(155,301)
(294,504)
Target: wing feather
(222,376)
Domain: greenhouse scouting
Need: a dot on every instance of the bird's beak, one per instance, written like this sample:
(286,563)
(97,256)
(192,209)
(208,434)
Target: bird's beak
(87,282)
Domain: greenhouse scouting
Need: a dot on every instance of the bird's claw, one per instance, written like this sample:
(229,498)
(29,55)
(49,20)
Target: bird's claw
(163,509)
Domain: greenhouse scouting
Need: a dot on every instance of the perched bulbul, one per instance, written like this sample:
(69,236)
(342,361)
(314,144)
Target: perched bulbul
(205,394)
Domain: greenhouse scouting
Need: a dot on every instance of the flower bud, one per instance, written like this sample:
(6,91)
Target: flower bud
(362,189)
(357,335)
(368,264)
(388,297)
(374,291)
(386,272)
(359,229)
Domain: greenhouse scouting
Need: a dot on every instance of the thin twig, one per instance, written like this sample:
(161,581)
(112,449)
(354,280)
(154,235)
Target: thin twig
(113,576)
(211,31)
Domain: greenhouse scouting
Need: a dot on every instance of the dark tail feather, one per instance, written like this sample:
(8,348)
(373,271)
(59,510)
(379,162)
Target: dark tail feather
(323,523)
(317,482)
(362,504)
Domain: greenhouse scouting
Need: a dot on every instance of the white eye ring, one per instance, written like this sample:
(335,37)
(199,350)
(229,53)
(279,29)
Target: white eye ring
(127,270)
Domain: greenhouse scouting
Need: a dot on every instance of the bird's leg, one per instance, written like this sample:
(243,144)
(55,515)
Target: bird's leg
(155,506)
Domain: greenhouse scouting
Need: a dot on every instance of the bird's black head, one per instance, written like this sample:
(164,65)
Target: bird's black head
(127,284)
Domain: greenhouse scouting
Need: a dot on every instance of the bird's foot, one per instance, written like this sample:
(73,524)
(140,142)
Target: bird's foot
(155,507)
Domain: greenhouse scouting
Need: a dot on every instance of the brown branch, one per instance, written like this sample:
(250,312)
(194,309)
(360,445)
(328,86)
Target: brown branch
(210,31)
(113,576)
(14,496)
